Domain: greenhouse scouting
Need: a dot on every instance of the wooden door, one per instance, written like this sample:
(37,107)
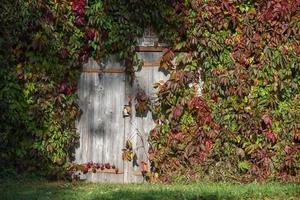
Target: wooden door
(101,125)
(103,90)
(137,127)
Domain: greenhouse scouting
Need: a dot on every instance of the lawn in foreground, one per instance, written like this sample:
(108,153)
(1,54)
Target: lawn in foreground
(42,189)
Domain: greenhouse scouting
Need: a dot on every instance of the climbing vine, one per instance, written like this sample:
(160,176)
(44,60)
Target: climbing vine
(44,51)
(244,127)
(247,121)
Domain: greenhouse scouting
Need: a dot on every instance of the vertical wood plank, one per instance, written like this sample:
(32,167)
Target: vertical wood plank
(101,126)
(145,78)
(103,130)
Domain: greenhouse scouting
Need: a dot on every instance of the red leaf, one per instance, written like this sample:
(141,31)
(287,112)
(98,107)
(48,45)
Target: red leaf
(177,112)
(208,145)
(267,120)
(270,136)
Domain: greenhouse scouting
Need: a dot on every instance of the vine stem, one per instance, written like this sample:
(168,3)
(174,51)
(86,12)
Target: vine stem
(140,135)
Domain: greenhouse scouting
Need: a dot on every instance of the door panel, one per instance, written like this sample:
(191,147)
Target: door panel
(137,128)
(101,125)
(103,130)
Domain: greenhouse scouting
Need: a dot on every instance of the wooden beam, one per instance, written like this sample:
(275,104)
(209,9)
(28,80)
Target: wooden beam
(137,174)
(155,63)
(103,70)
(156,49)
(107,171)
(149,49)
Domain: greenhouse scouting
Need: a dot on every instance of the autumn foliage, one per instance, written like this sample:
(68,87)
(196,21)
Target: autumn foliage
(245,126)
(243,55)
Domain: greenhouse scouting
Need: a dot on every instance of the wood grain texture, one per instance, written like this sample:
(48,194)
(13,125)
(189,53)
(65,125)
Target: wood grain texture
(137,128)
(103,130)
(101,126)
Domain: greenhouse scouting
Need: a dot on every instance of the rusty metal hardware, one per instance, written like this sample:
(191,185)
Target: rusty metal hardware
(126,111)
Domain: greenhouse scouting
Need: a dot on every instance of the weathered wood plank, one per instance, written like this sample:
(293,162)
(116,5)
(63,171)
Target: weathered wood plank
(136,126)
(101,125)
(85,87)
(103,130)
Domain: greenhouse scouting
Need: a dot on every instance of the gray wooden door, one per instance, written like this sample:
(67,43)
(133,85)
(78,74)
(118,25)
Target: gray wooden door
(137,128)
(102,127)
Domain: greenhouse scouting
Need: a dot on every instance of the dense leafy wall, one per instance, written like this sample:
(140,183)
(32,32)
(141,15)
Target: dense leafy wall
(37,107)
(246,126)
(43,45)
(14,117)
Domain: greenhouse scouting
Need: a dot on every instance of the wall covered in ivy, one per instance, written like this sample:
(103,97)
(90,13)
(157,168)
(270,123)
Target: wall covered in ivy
(245,126)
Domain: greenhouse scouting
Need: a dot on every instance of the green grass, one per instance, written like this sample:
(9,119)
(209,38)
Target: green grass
(34,189)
